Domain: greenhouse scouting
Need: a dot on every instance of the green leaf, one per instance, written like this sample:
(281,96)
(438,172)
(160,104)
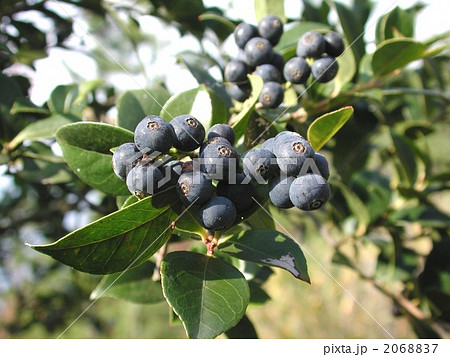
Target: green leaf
(356,206)
(394,54)
(135,105)
(187,226)
(262,220)
(220,24)
(268,247)
(10,90)
(202,102)
(86,148)
(125,238)
(129,201)
(347,67)
(62,98)
(353,28)
(209,295)
(24,105)
(266,7)
(426,216)
(44,172)
(41,129)
(240,121)
(244,329)
(134,285)
(257,294)
(323,128)
(398,21)
(374,191)
(198,65)
(313,13)
(406,165)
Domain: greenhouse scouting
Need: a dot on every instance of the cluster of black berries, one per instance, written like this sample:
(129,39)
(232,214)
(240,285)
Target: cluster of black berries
(297,176)
(258,57)
(302,176)
(323,49)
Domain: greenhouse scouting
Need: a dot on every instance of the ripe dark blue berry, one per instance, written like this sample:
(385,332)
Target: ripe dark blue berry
(268,144)
(322,165)
(171,172)
(144,179)
(243,33)
(272,95)
(311,44)
(218,160)
(258,51)
(271,27)
(309,192)
(194,187)
(278,61)
(283,136)
(279,191)
(124,159)
(214,140)
(189,132)
(154,134)
(292,153)
(222,130)
(240,92)
(217,214)
(236,72)
(241,194)
(296,70)
(259,164)
(334,45)
(324,69)
(268,73)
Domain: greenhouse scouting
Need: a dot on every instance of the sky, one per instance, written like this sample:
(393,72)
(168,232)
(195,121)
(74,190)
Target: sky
(53,70)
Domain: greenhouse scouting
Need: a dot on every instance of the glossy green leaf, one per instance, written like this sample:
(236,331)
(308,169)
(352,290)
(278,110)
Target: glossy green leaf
(125,238)
(239,122)
(187,226)
(266,7)
(323,128)
(202,102)
(86,149)
(134,285)
(209,295)
(135,105)
(396,22)
(394,54)
(268,247)
(41,129)
(128,201)
(71,98)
